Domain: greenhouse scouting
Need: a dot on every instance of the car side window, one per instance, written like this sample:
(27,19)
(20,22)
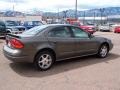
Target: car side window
(78,33)
(62,32)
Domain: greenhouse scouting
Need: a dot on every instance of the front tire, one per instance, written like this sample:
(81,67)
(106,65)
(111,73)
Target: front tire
(44,60)
(103,51)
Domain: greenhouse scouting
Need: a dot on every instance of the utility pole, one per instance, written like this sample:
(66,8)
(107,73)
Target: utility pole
(13,6)
(94,16)
(84,15)
(76,9)
(58,14)
(108,13)
(65,13)
(101,11)
(101,16)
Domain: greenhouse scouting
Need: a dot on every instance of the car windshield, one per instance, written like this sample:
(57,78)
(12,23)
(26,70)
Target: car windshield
(11,23)
(37,23)
(35,30)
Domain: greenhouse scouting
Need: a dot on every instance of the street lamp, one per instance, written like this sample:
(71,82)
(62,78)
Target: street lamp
(76,9)
(101,11)
(94,13)
(13,5)
(65,13)
(84,15)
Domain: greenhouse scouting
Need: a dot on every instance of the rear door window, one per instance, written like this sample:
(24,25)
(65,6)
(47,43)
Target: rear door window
(62,32)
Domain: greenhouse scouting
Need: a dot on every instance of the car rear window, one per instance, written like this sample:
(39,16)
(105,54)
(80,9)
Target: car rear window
(35,30)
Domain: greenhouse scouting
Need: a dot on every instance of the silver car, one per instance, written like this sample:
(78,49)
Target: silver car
(105,28)
(43,45)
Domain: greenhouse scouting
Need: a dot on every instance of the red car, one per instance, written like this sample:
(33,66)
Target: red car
(117,29)
(88,28)
(76,22)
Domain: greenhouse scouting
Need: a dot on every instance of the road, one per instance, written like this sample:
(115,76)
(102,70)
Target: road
(87,73)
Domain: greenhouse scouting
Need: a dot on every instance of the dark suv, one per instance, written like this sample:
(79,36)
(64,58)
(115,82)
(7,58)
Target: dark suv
(14,27)
(2,29)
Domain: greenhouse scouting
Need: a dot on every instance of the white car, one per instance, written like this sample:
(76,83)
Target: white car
(106,28)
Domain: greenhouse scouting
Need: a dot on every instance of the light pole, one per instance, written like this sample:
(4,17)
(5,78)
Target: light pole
(13,5)
(84,15)
(65,13)
(76,9)
(58,14)
(101,11)
(94,16)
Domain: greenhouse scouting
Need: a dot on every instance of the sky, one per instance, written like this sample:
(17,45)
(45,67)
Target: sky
(55,5)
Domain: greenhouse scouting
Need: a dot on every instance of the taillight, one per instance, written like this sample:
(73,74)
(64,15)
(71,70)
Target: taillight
(16,43)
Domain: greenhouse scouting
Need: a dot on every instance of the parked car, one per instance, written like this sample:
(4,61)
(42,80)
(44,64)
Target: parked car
(106,28)
(13,27)
(117,29)
(2,29)
(43,45)
(31,24)
(88,28)
(114,26)
(76,22)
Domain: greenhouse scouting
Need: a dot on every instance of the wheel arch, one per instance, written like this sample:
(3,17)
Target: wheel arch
(45,49)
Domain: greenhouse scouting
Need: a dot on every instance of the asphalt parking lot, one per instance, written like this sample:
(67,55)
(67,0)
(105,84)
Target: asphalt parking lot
(87,73)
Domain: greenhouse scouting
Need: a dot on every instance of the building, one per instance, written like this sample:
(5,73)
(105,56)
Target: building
(22,18)
(114,19)
(93,20)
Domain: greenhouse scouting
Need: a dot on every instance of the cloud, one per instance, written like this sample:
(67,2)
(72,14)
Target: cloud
(16,1)
(88,4)
(54,5)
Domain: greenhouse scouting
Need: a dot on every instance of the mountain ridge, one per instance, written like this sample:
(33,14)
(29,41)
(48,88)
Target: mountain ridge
(70,13)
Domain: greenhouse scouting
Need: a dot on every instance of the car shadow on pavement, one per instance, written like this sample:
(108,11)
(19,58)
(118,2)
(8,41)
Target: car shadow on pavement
(27,70)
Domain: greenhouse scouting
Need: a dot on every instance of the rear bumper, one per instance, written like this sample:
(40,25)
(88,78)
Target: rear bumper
(16,59)
(15,55)
(105,30)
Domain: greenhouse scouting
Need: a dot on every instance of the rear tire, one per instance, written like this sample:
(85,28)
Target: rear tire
(44,60)
(103,51)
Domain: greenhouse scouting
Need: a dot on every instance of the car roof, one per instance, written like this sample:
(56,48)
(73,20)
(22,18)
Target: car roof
(57,25)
